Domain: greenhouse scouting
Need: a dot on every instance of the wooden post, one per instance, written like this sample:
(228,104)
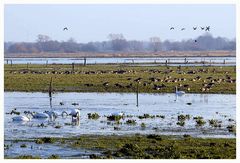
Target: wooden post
(85,61)
(224,62)
(50,88)
(11,63)
(7,61)
(137,94)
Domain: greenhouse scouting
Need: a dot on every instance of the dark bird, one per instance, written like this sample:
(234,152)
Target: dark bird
(182,29)
(207,28)
(171,28)
(194,28)
(202,28)
(65,28)
(195,40)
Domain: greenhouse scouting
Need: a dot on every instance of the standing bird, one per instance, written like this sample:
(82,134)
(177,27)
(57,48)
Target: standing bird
(65,28)
(75,113)
(171,28)
(182,29)
(207,28)
(179,92)
(194,28)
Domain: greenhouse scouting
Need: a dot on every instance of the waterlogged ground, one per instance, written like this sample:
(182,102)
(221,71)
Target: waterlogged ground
(209,106)
(220,107)
(230,61)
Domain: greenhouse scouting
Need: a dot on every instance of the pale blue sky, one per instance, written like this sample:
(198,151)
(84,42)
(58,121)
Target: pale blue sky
(94,22)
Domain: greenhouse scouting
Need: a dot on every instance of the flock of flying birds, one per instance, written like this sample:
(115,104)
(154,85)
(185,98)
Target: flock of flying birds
(207,28)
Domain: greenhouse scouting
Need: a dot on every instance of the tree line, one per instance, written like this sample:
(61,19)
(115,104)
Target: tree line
(118,43)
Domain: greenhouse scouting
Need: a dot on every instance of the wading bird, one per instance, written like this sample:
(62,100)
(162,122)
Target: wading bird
(21,118)
(178,92)
(75,113)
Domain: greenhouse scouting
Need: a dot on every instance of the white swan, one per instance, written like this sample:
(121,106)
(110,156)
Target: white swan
(75,113)
(118,114)
(179,92)
(21,118)
(40,115)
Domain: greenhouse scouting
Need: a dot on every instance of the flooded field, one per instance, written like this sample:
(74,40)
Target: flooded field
(157,114)
(174,61)
(208,106)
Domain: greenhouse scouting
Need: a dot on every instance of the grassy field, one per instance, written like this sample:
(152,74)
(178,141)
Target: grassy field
(119,78)
(147,147)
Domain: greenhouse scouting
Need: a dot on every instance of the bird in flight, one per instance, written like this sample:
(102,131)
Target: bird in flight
(65,28)
(171,28)
(182,29)
(195,40)
(202,28)
(194,28)
(207,28)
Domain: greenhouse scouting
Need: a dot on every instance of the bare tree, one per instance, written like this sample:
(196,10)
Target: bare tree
(155,43)
(118,41)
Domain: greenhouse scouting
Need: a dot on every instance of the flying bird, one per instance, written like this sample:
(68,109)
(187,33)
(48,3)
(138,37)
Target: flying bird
(171,28)
(182,29)
(194,28)
(195,40)
(65,28)
(207,28)
(202,28)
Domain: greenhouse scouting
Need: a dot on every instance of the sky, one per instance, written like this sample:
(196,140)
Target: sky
(86,23)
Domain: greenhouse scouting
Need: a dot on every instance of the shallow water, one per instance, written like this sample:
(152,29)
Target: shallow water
(209,106)
(229,61)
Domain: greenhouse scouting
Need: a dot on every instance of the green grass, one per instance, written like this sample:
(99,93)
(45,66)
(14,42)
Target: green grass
(15,81)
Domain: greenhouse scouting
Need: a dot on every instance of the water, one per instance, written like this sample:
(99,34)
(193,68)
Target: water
(209,106)
(215,61)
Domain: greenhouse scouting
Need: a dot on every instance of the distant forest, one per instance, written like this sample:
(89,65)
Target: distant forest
(118,43)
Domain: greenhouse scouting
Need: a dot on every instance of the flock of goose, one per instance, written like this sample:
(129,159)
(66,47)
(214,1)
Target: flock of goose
(207,28)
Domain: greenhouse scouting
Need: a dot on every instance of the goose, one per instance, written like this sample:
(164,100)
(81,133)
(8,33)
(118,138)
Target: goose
(207,28)
(75,113)
(178,92)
